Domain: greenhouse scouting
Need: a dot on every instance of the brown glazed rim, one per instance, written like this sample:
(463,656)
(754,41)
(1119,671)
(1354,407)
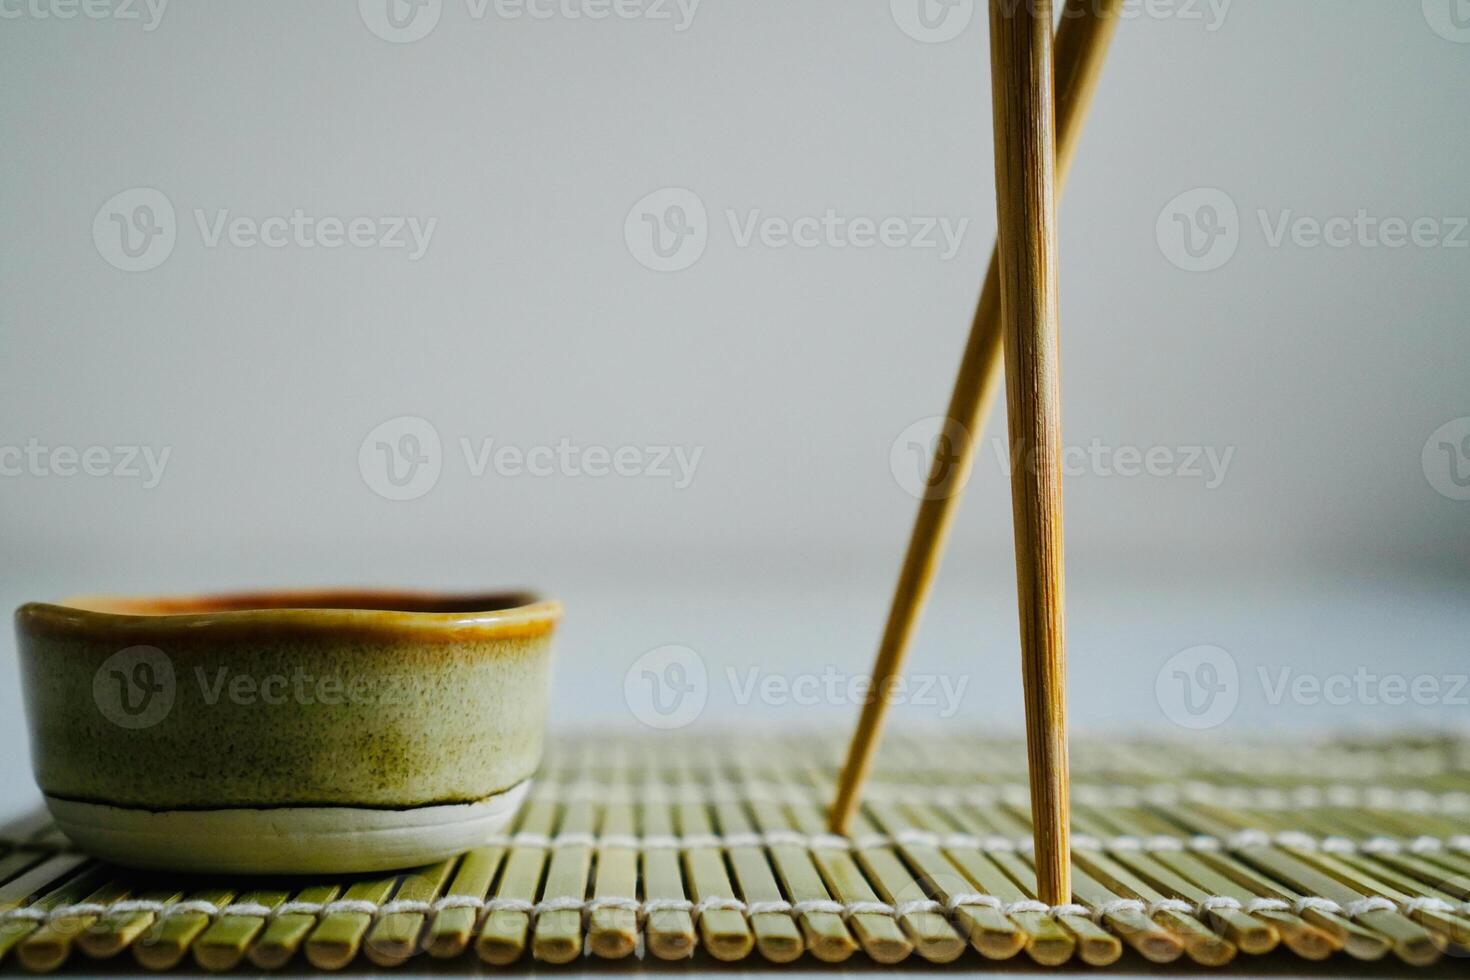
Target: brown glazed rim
(441,616)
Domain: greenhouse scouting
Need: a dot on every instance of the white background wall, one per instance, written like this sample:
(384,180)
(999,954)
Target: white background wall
(529,320)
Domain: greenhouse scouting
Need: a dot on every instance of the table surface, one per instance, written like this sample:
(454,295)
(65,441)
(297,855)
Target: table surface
(1123,630)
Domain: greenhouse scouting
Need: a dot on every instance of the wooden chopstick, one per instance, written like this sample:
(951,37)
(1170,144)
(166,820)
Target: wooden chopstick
(1025,180)
(1081,48)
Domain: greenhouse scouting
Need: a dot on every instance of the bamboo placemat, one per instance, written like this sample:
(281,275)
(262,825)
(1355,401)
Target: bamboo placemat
(713,846)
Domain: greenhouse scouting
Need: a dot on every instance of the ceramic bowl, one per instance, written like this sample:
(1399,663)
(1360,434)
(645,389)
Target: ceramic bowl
(285,733)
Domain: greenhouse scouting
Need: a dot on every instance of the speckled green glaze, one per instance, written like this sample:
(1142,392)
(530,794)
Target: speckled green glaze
(431,702)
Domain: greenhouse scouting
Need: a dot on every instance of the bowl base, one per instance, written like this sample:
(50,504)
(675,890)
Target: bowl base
(288,840)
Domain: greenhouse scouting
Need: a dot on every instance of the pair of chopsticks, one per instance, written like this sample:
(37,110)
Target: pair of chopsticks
(1035,141)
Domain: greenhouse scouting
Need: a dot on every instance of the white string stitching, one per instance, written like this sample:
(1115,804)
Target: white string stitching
(1452,803)
(1352,910)
(1373,903)
(718,903)
(626,841)
(781,906)
(829,842)
(917,906)
(566,903)
(576,839)
(653,906)
(1169,905)
(697,841)
(350,906)
(972,900)
(784,838)
(78,910)
(661,842)
(524,906)
(249,910)
(1163,842)
(1242,839)
(814,906)
(1316,904)
(1267,905)
(401,906)
(851,909)
(1117,906)
(1303,796)
(911,837)
(1427,904)
(1218,903)
(451,902)
(964,900)
(1027,905)
(615,903)
(298,908)
(743,839)
(138,906)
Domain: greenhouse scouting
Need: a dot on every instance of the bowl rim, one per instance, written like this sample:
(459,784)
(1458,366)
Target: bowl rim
(365,611)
